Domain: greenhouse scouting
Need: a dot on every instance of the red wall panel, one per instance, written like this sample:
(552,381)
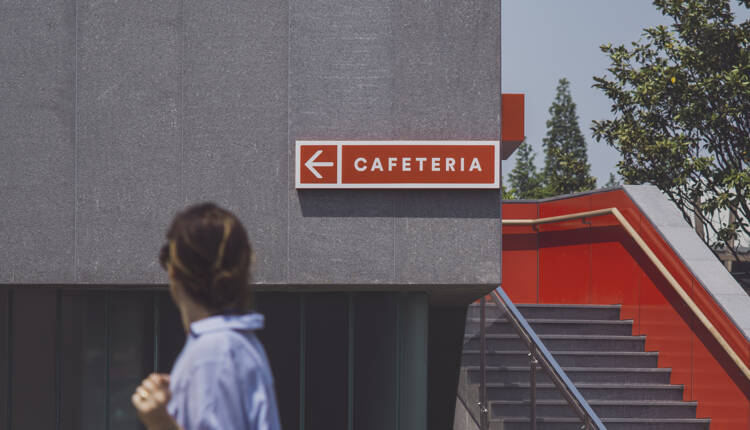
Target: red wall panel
(520,248)
(564,254)
(596,262)
(615,278)
(666,331)
(614,275)
(718,396)
(725,326)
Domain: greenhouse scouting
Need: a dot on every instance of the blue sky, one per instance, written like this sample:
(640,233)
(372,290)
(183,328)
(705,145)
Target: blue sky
(545,40)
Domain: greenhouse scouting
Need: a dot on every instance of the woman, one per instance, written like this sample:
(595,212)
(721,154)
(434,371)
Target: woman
(221,379)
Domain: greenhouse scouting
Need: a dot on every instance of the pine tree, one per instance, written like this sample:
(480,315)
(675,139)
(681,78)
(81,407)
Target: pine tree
(508,194)
(525,180)
(566,167)
(612,182)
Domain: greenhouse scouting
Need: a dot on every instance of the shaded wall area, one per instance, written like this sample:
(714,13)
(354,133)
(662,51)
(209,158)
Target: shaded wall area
(364,360)
(594,261)
(71,358)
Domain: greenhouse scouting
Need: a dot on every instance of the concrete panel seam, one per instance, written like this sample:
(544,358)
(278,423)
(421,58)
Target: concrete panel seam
(182,101)
(393,224)
(75,142)
(288,133)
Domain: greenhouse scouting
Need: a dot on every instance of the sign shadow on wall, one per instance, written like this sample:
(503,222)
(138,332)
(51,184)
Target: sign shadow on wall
(401,203)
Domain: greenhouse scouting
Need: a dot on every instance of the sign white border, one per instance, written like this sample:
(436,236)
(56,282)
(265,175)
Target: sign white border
(298,165)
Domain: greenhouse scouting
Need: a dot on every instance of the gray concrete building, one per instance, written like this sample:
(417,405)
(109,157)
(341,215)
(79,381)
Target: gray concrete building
(115,115)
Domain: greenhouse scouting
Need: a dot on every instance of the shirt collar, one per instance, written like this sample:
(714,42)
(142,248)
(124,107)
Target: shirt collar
(251,321)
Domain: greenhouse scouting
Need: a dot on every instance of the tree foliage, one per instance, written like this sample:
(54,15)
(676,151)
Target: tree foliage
(681,104)
(508,194)
(566,167)
(525,180)
(612,182)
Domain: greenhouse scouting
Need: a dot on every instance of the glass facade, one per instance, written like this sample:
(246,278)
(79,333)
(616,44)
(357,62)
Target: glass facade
(71,358)
(83,360)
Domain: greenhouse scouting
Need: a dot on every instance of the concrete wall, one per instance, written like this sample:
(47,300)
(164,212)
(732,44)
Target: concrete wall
(115,115)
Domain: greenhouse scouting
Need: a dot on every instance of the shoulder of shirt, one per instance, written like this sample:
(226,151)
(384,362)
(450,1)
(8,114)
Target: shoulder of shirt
(223,347)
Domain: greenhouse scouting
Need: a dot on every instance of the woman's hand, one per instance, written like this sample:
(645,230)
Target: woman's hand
(150,400)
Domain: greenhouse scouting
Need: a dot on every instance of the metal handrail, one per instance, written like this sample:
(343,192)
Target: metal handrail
(540,355)
(659,265)
(468,410)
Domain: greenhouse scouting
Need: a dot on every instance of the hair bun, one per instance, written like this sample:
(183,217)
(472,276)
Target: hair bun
(209,248)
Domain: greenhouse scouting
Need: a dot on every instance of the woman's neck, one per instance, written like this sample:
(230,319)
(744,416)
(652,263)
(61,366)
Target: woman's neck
(192,312)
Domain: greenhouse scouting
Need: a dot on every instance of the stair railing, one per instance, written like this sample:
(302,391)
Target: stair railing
(484,422)
(539,355)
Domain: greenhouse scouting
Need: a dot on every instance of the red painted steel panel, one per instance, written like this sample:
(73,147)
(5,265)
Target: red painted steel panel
(665,254)
(694,289)
(520,210)
(718,396)
(564,254)
(664,318)
(520,247)
(564,267)
(601,265)
(665,330)
(615,278)
(716,315)
(512,117)
(699,295)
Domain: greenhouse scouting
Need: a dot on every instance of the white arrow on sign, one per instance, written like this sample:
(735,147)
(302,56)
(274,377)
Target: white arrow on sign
(312,164)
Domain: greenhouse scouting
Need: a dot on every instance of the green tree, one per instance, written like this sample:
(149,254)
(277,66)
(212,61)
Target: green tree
(525,180)
(612,182)
(681,104)
(566,167)
(508,194)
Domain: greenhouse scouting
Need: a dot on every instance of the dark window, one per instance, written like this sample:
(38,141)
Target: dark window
(326,334)
(170,333)
(71,358)
(5,317)
(281,339)
(83,360)
(33,355)
(131,352)
(374,362)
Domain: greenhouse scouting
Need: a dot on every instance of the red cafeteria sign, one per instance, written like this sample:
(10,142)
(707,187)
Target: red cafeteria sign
(398,164)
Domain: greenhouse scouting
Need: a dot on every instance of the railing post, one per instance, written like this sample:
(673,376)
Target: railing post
(532,368)
(483,418)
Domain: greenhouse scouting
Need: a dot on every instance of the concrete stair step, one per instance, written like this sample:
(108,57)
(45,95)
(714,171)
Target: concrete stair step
(603,408)
(567,423)
(590,391)
(594,312)
(621,382)
(657,423)
(557,326)
(560,342)
(567,358)
(617,375)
